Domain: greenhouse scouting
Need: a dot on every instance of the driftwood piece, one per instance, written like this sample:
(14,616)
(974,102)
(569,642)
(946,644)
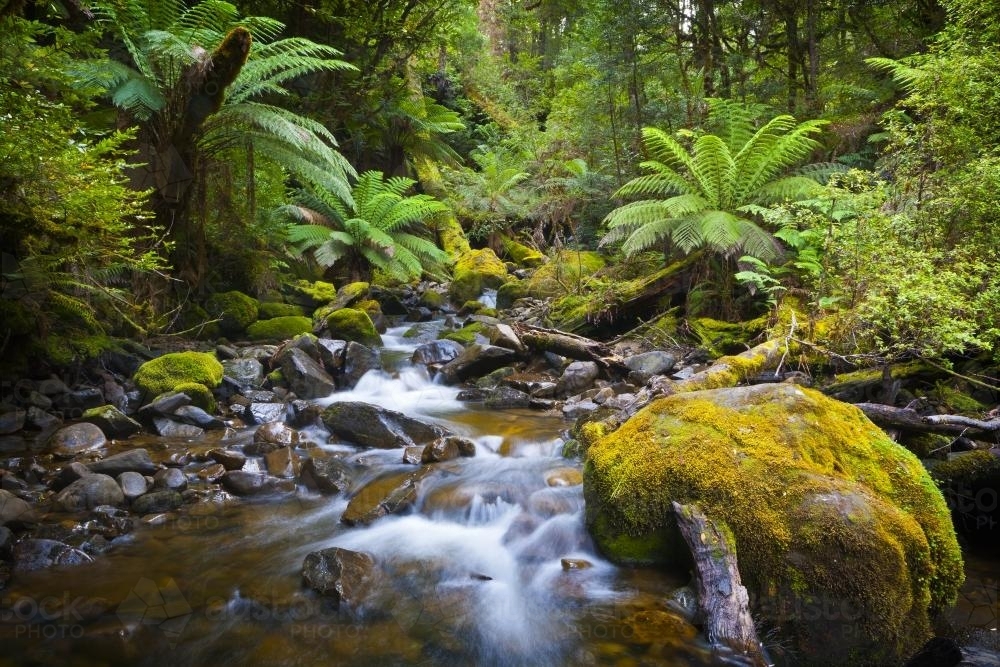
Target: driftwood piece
(569,345)
(907,419)
(723,601)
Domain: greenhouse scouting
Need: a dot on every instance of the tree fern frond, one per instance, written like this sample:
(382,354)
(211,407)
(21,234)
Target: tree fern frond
(662,183)
(664,148)
(215,15)
(305,235)
(712,166)
(790,188)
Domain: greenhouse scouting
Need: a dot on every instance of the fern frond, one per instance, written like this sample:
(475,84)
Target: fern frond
(905,75)
(664,148)
(712,167)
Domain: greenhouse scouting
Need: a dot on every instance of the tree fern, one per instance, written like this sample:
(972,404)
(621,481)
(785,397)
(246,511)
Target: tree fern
(377,226)
(709,196)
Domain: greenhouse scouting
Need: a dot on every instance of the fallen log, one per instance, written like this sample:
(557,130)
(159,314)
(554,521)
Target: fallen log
(908,419)
(569,345)
(723,601)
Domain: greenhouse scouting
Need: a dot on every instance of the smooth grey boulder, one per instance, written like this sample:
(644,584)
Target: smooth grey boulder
(13,510)
(134,460)
(74,439)
(578,376)
(89,492)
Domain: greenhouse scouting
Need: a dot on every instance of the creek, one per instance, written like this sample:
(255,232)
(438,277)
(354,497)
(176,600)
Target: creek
(492,565)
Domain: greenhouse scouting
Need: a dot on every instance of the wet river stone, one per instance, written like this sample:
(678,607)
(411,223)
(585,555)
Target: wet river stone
(578,376)
(135,460)
(88,492)
(133,484)
(112,421)
(344,575)
(304,375)
(328,476)
(39,554)
(437,352)
(14,511)
(163,500)
(71,440)
(387,495)
(374,426)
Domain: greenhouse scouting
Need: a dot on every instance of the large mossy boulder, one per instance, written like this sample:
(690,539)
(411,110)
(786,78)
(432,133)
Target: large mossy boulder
(168,372)
(235,311)
(309,295)
(284,327)
(348,324)
(841,535)
(475,271)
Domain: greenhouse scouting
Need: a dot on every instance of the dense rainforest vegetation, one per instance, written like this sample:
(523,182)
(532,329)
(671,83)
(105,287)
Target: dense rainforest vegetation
(838,155)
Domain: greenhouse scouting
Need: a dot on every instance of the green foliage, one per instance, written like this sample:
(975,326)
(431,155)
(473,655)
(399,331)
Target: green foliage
(74,234)
(709,195)
(379,226)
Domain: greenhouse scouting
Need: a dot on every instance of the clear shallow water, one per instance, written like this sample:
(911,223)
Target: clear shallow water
(473,575)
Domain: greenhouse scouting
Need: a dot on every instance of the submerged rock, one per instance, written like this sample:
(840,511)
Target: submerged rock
(342,574)
(112,421)
(823,507)
(134,460)
(386,495)
(39,554)
(15,511)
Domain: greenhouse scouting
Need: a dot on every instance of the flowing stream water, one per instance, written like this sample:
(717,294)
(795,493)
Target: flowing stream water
(491,566)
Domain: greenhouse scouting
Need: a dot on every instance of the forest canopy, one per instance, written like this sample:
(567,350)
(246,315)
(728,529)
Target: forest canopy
(841,156)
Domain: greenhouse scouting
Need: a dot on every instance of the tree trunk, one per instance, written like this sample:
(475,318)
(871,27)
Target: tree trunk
(723,601)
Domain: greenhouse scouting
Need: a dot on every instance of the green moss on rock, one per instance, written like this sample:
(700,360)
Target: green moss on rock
(431,299)
(466,335)
(719,338)
(823,507)
(510,292)
(350,294)
(311,295)
(352,324)
(521,254)
(165,373)
(235,311)
(564,273)
(269,310)
(199,394)
(475,271)
(279,328)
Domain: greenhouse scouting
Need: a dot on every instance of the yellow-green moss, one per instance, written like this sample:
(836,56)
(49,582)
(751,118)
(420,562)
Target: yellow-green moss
(165,373)
(954,401)
(821,503)
(269,310)
(521,254)
(279,328)
(466,335)
(235,311)
(431,299)
(73,346)
(350,294)
(199,394)
(510,292)
(352,324)
(370,306)
(475,271)
(564,273)
(719,338)
(967,466)
(310,294)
